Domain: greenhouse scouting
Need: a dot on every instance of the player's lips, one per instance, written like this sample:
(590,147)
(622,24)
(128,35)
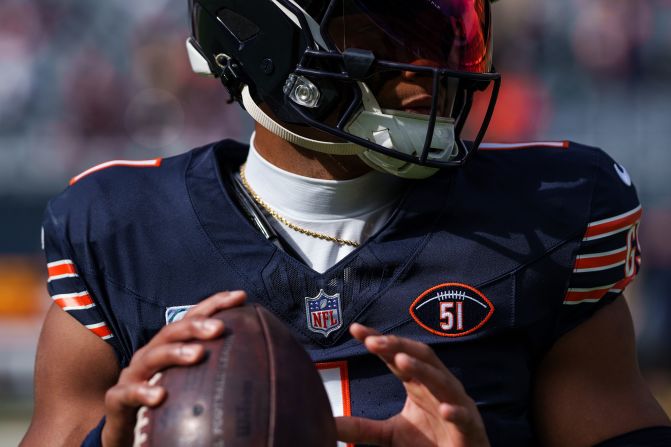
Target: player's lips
(421,105)
(419,110)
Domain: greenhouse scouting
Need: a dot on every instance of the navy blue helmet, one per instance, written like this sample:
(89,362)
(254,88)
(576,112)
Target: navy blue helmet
(332,65)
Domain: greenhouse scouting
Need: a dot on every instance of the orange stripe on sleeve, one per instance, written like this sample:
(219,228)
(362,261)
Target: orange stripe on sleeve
(619,287)
(101,330)
(74,301)
(592,296)
(576,296)
(60,268)
(595,262)
(614,224)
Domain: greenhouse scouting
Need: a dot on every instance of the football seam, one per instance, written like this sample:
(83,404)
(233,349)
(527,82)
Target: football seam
(140,436)
(143,421)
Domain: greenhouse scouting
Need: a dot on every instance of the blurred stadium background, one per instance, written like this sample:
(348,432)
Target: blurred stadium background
(82,83)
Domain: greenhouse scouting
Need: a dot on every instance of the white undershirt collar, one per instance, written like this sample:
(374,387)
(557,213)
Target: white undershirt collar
(307,198)
(347,209)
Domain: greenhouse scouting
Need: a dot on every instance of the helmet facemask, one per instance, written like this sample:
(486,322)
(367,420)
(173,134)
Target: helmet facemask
(393,80)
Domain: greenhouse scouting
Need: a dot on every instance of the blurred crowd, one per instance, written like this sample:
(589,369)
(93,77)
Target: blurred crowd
(82,83)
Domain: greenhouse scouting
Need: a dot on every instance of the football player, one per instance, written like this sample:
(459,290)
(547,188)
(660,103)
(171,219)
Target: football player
(457,293)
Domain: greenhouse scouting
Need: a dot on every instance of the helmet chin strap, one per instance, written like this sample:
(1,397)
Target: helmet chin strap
(379,162)
(325,147)
(403,132)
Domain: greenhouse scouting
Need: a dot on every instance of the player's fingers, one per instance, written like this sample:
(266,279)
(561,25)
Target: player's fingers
(371,338)
(457,414)
(194,328)
(438,381)
(121,404)
(125,398)
(444,386)
(468,422)
(362,430)
(388,346)
(215,303)
(157,358)
(360,332)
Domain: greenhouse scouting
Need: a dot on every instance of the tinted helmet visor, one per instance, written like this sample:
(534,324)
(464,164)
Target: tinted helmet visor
(450,34)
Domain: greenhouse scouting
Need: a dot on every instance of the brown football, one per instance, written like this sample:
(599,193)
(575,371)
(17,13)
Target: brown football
(256,387)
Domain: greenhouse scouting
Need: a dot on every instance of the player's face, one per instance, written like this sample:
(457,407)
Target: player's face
(413,92)
(398,90)
(435,33)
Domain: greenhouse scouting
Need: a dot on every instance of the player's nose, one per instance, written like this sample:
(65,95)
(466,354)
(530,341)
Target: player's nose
(412,75)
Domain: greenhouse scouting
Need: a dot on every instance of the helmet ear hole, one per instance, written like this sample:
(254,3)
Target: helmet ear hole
(241,27)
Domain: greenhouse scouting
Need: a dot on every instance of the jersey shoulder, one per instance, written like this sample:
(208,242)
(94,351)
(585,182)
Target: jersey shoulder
(585,204)
(532,198)
(567,165)
(122,183)
(120,217)
(139,190)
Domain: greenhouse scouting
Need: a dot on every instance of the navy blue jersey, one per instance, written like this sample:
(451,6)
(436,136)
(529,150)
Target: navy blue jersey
(489,264)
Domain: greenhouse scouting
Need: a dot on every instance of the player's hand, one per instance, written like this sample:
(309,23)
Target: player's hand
(437,411)
(175,344)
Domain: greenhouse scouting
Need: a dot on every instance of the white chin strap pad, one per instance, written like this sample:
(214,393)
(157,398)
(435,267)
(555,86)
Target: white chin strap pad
(406,133)
(266,121)
(403,132)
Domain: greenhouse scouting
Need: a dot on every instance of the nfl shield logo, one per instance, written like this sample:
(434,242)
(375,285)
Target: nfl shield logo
(324,314)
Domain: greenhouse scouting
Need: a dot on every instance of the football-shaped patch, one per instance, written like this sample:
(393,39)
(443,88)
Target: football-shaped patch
(451,310)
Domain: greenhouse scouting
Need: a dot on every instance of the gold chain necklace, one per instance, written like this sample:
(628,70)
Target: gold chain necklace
(291,225)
